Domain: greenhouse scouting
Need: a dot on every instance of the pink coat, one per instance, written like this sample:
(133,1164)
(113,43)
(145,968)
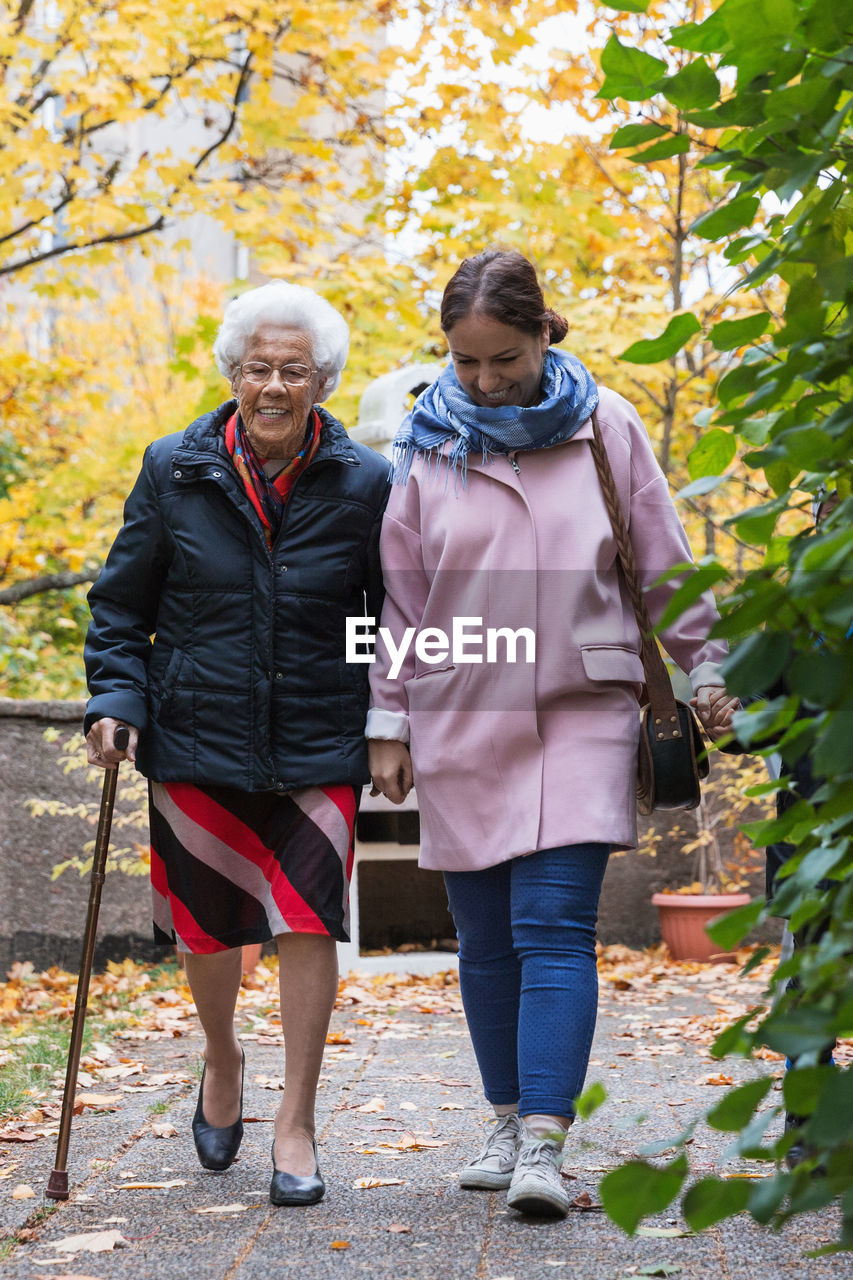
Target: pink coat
(513,757)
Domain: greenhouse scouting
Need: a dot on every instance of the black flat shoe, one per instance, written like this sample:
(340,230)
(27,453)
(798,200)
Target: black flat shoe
(217,1147)
(294,1188)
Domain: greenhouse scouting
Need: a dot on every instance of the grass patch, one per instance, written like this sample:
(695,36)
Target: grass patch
(10,1242)
(36,1055)
(34,1040)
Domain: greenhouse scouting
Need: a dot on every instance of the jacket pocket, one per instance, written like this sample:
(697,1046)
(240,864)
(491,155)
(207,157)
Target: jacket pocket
(430,689)
(612,662)
(422,672)
(161,690)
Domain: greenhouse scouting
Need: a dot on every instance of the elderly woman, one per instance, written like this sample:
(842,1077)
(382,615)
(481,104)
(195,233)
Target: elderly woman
(525,758)
(247,541)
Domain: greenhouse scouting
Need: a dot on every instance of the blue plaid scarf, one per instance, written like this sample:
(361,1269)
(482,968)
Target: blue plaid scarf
(445,413)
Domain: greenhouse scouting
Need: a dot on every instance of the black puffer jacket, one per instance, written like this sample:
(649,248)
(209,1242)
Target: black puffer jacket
(246,682)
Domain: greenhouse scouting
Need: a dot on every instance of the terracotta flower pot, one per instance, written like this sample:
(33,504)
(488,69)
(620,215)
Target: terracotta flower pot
(683,917)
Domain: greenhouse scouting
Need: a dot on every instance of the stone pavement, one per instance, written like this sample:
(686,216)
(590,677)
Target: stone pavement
(400,1106)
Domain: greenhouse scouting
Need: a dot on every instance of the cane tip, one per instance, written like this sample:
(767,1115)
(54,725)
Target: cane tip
(57,1185)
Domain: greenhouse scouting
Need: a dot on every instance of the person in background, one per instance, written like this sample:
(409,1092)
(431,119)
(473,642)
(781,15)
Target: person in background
(525,770)
(248,539)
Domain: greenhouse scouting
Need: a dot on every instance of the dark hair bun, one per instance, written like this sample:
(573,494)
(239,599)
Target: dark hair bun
(558,325)
(502,284)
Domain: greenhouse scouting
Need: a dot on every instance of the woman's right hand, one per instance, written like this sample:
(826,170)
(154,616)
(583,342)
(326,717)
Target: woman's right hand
(390,769)
(100,744)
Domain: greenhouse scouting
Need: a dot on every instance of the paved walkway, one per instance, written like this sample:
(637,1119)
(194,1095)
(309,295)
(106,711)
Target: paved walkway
(399,1106)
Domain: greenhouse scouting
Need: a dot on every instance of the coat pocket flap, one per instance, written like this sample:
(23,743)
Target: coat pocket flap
(612,662)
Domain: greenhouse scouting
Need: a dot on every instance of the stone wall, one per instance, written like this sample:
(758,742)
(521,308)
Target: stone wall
(43,918)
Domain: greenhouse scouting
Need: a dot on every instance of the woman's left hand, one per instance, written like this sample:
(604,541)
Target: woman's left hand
(715,709)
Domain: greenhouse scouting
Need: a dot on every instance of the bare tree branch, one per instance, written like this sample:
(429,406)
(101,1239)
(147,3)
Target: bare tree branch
(158,223)
(61,250)
(656,401)
(22,15)
(49,582)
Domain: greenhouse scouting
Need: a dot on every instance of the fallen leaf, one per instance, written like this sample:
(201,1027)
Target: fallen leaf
(153,1186)
(400,1228)
(358,994)
(363,1184)
(23,1192)
(337,1037)
(17,1135)
(660,1269)
(88,1242)
(226,1208)
(718,1079)
(451,1106)
(163,1129)
(270,1082)
(374,1105)
(583,1201)
(98,1101)
(408,1142)
(669,1233)
(408,1106)
(340,1244)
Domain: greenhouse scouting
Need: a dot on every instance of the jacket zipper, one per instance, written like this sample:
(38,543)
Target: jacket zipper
(272,562)
(513,461)
(274,569)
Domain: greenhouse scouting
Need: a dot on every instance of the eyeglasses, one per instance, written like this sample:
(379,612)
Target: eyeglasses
(292,375)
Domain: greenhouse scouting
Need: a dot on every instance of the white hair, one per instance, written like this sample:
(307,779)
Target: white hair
(290,305)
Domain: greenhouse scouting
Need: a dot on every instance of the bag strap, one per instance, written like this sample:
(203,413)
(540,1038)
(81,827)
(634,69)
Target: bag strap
(658,684)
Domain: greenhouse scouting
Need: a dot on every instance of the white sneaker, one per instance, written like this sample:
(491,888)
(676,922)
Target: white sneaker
(536,1185)
(494,1165)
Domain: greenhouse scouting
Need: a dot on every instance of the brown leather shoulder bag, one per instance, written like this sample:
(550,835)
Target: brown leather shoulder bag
(672,758)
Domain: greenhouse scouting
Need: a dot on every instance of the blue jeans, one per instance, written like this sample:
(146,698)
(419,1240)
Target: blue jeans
(527,972)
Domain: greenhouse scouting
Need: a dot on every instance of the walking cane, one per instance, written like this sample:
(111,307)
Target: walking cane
(57,1186)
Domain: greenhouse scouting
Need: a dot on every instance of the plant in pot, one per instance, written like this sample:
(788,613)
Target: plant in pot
(724,859)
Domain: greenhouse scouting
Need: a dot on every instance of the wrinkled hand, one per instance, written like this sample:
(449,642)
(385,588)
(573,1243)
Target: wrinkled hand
(715,709)
(390,769)
(100,744)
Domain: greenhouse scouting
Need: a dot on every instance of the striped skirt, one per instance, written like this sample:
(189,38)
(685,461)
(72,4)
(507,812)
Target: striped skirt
(233,867)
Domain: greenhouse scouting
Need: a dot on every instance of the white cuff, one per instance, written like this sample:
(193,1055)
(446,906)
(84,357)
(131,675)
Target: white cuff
(706,673)
(391,726)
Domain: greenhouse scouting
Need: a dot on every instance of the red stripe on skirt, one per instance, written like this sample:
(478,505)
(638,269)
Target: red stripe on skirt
(190,931)
(343,798)
(222,824)
(159,879)
(184,923)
